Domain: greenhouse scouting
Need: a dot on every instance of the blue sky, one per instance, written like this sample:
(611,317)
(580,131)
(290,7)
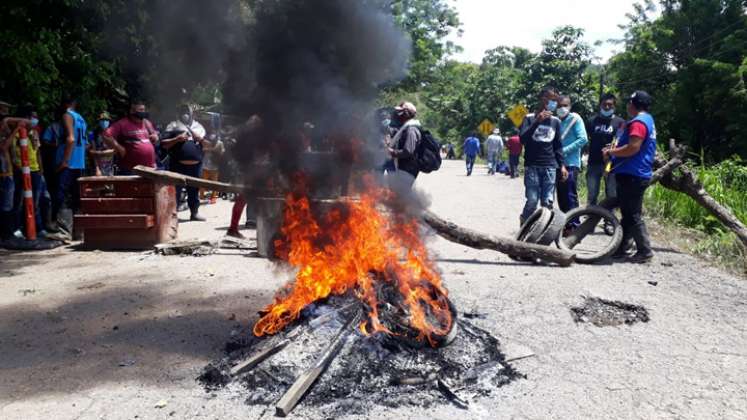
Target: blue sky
(524,23)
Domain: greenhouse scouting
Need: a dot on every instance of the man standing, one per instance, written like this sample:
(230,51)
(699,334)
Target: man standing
(603,129)
(27,113)
(632,163)
(133,138)
(404,144)
(543,153)
(7,186)
(186,153)
(70,164)
(471,149)
(494,148)
(573,137)
(514,153)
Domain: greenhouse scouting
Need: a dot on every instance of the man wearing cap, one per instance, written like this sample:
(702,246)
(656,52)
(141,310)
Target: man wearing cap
(632,163)
(494,148)
(101,154)
(404,143)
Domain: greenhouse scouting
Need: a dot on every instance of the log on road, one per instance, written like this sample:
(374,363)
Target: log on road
(474,239)
(444,228)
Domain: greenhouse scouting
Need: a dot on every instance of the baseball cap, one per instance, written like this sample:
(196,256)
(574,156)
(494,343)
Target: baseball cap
(105,116)
(641,99)
(406,106)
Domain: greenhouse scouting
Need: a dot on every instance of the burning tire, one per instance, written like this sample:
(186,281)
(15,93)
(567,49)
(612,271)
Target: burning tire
(395,316)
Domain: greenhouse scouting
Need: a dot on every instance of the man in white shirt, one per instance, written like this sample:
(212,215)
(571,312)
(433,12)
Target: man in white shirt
(185,145)
(494,148)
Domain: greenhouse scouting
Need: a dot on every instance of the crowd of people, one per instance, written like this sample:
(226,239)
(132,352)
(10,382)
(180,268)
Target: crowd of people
(554,141)
(69,148)
(552,138)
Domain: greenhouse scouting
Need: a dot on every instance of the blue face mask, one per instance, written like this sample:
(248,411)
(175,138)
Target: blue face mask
(552,105)
(606,112)
(104,124)
(34,122)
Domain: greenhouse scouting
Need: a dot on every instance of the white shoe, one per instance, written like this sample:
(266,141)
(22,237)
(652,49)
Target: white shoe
(18,234)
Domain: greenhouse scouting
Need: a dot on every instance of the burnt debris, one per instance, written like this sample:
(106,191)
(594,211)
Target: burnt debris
(367,370)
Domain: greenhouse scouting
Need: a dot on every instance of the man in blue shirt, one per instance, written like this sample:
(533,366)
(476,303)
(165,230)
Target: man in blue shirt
(632,163)
(573,138)
(471,149)
(70,163)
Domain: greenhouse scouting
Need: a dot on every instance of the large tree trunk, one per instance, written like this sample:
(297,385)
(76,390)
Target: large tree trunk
(473,239)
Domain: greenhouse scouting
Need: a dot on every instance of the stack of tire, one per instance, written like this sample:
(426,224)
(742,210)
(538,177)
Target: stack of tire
(546,226)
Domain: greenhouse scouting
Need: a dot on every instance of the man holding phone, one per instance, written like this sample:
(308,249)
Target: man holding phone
(540,134)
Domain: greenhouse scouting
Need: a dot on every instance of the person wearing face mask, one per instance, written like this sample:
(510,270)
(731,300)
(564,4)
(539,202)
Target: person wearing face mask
(30,120)
(185,140)
(543,153)
(132,138)
(573,137)
(602,129)
(101,154)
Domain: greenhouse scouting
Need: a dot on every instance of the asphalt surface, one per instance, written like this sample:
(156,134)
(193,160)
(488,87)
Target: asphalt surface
(123,335)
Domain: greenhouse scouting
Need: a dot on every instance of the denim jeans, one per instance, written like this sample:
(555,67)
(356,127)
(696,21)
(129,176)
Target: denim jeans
(493,159)
(513,165)
(193,193)
(594,174)
(539,182)
(7,187)
(470,160)
(630,190)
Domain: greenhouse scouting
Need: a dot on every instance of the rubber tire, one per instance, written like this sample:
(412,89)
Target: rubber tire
(532,229)
(604,252)
(554,229)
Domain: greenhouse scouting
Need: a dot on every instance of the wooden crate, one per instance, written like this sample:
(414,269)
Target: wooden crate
(126,212)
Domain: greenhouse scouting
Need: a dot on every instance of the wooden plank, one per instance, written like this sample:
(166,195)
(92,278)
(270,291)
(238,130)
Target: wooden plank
(174,178)
(114,221)
(122,187)
(259,357)
(120,239)
(307,379)
(116,205)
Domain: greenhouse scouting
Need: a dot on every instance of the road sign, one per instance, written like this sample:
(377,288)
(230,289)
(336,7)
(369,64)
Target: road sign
(486,127)
(517,114)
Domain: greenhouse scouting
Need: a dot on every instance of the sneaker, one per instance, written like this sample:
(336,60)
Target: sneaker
(182,207)
(640,258)
(250,224)
(195,217)
(235,234)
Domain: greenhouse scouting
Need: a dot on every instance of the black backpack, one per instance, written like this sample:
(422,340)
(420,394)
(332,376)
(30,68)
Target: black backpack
(428,152)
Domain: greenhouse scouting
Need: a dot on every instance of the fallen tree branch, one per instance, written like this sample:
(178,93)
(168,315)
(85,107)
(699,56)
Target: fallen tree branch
(477,240)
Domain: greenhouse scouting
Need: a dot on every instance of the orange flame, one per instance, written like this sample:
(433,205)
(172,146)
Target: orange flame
(338,252)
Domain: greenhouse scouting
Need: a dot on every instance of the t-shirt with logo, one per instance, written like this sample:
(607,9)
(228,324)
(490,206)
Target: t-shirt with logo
(135,138)
(542,145)
(602,131)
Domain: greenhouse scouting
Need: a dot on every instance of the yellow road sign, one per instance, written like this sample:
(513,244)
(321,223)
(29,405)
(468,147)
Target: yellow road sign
(486,127)
(517,114)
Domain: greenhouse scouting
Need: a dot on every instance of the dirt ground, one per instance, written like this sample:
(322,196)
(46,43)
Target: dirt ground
(123,335)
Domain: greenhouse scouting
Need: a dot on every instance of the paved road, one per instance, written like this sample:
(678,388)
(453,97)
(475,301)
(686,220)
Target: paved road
(90,335)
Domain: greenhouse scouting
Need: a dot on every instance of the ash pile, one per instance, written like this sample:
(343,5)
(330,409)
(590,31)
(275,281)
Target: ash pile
(324,363)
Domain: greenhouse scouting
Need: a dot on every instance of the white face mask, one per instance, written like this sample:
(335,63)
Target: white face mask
(563,111)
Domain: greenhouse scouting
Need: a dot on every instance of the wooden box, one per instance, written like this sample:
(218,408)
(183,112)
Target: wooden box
(126,212)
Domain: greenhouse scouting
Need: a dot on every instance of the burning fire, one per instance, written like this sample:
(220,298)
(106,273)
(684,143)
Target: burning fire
(339,252)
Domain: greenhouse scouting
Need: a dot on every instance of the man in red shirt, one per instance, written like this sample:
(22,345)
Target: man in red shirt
(133,138)
(514,152)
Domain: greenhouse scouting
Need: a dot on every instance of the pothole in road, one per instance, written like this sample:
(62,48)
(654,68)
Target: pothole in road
(605,313)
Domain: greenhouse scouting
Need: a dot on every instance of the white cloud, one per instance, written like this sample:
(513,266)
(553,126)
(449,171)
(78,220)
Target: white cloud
(525,23)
